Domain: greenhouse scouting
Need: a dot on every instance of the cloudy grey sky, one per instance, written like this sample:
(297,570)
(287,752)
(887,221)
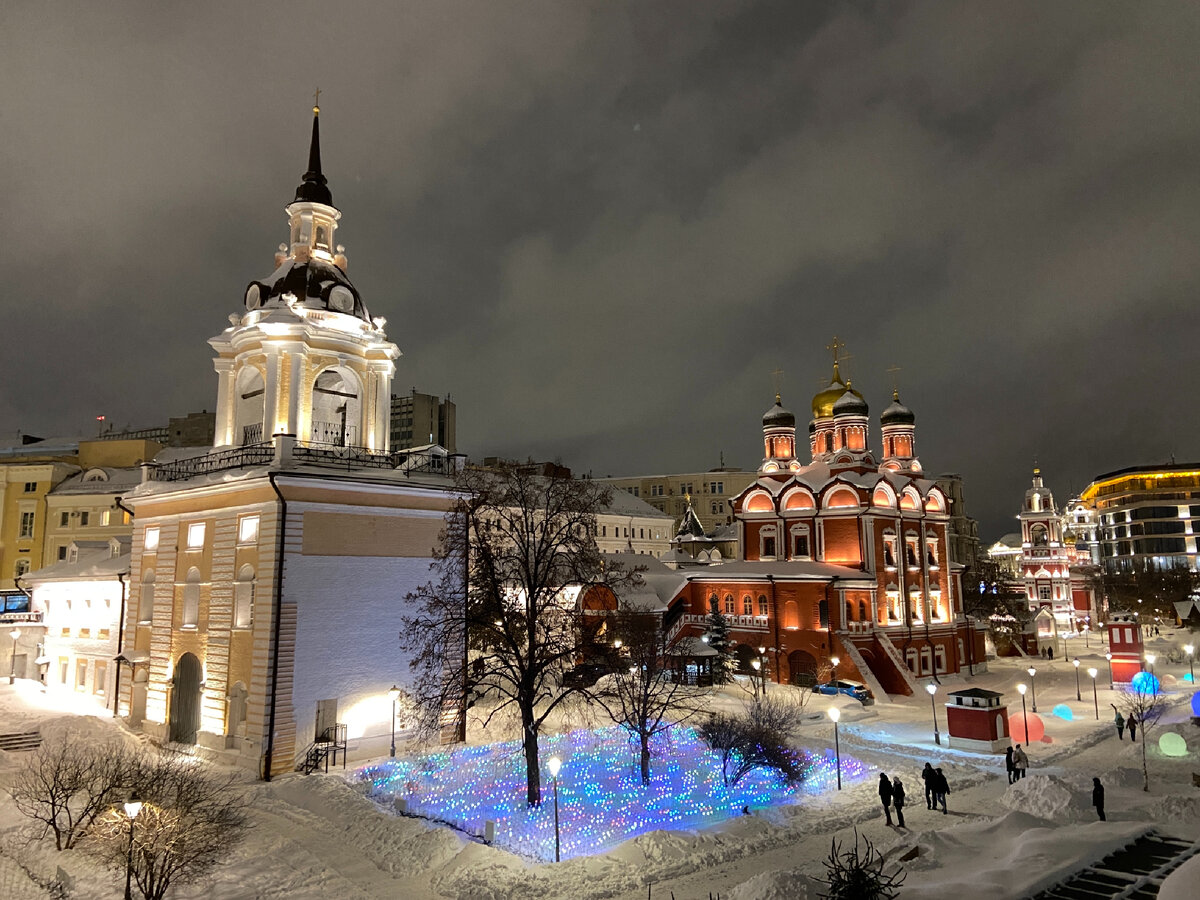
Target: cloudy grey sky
(601,226)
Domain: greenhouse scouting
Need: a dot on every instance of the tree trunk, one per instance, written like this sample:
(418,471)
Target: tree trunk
(533,773)
(1145,768)
(645,759)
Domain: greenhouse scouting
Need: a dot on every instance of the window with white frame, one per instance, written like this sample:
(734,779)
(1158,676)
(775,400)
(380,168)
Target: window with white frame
(243,598)
(190,616)
(914,605)
(248,529)
(146,598)
(27,520)
(762,605)
(195,535)
(893,603)
(150,539)
(939,659)
(926,661)
(889,551)
(766,542)
(729,610)
(931,553)
(747,606)
(801,548)
(20,568)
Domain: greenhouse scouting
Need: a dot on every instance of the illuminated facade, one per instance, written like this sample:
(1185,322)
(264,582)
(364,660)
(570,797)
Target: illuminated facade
(841,556)
(1145,518)
(710,494)
(268,575)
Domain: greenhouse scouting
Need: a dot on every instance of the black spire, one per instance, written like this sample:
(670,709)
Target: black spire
(313,188)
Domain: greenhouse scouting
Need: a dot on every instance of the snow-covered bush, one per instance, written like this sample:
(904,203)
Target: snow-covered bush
(756,738)
(859,875)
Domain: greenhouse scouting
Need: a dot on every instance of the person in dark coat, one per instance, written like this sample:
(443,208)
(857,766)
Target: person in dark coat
(941,788)
(1098,798)
(1008,764)
(1119,721)
(885,796)
(1132,723)
(898,800)
(927,777)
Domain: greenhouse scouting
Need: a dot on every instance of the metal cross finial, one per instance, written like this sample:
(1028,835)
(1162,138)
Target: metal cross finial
(317,101)
(894,371)
(835,347)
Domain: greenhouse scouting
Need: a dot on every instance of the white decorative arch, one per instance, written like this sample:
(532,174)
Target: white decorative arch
(95,475)
(336,415)
(936,501)
(249,405)
(883,495)
(759,501)
(798,497)
(910,498)
(836,493)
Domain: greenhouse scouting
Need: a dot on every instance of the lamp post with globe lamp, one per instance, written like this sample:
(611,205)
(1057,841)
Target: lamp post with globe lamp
(12,671)
(1108,656)
(1095,701)
(835,714)
(1190,650)
(1033,686)
(932,688)
(133,806)
(394,694)
(554,764)
(1150,660)
(833,661)
(1075,663)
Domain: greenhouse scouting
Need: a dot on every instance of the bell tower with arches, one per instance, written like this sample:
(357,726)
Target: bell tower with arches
(304,357)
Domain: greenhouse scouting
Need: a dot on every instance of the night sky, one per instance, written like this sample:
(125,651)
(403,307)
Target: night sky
(601,227)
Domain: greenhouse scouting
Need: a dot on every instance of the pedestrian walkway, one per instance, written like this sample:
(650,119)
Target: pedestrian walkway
(1136,871)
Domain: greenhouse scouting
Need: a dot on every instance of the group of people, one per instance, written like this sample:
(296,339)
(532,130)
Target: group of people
(1015,763)
(892,796)
(1122,723)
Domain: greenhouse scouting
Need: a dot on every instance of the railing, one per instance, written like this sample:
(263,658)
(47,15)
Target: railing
(860,627)
(335,433)
(10,618)
(142,434)
(753,622)
(252,434)
(220,461)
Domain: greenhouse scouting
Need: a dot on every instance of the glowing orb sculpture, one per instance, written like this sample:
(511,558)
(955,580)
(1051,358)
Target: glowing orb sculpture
(1172,744)
(1187,677)
(1017,729)
(1196,704)
(1063,712)
(1146,683)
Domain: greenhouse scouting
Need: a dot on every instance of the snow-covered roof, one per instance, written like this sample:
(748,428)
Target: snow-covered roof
(101,480)
(801,570)
(625,504)
(92,563)
(1012,540)
(659,584)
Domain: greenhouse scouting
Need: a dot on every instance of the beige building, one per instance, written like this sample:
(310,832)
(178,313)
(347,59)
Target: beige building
(711,493)
(630,525)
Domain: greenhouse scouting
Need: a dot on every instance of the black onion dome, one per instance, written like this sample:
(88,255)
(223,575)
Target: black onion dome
(778,417)
(850,404)
(812,427)
(897,413)
(314,189)
(314,283)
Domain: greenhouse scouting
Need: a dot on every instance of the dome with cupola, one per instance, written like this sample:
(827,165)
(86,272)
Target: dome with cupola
(778,417)
(897,413)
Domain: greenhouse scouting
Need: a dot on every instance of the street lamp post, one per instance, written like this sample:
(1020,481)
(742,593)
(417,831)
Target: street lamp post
(1075,663)
(932,688)
(835,714)
(394,694)
(554,764)
(12,671)
(1033,687)
(762,655)
(1021,689)
(1190,650)
(757,678)
(133,806)
(1108,656)
(1095,700)
(1150,660)
(1086,629)
(833,661)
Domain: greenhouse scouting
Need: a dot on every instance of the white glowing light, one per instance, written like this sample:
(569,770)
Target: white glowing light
(1022,688)
(932,688)
(554,764)
(835,713)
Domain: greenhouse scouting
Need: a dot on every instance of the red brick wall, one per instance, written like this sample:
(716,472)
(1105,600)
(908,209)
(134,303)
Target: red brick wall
(841,542)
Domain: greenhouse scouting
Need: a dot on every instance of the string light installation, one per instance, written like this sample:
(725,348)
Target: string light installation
(602,801)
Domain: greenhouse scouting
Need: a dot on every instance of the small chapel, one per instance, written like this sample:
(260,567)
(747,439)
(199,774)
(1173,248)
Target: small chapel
(843,568)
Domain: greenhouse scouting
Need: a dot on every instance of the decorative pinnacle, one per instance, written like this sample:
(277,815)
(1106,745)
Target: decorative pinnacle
(317,102)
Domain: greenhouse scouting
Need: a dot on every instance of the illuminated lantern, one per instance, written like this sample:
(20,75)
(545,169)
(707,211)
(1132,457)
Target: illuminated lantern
(1146,683)
(1016,727)
(1063,712)
(1172,744)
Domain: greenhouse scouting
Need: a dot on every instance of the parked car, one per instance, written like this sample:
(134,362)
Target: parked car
(855,689)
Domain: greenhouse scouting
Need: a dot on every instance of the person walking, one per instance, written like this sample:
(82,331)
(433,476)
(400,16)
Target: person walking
(1132,723)
(927,777)
(1119,721)
(1008,763)
(941,787)
(885,796)
(898,800)
(1098,798)
(1020,763)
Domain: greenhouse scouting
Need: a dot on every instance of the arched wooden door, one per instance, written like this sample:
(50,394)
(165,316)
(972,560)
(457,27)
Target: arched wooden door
(185,699)
(802,668)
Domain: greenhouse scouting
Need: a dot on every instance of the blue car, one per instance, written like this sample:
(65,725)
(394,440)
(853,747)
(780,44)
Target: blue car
(855,689)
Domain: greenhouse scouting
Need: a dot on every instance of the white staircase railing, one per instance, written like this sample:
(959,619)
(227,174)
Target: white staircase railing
(893,654)
(869,676)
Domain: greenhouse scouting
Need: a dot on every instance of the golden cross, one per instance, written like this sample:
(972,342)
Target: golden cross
(777,378)
(894,371)
(317,101)
(835,347)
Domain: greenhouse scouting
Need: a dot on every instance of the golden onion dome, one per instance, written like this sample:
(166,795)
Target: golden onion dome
(822,404)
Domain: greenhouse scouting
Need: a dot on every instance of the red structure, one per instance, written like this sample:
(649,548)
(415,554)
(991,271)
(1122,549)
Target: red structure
(1125,644)
(976,720)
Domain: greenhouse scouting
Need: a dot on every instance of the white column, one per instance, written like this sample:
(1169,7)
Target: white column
(271,393)
(296,358)
(223,433)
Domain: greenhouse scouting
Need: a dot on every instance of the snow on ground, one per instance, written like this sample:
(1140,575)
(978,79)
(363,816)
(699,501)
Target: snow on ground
(321,835)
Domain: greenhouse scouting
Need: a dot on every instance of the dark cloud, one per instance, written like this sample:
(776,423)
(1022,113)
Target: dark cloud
(602,226)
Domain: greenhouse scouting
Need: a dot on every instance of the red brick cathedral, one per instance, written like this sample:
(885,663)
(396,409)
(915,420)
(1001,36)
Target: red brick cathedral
(843,557)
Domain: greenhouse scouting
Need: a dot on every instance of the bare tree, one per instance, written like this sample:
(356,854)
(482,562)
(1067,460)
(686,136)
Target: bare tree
(1143,703)
(757,737)
(644,695)
(67,784)
(189,822)
(524,542)
(860,874)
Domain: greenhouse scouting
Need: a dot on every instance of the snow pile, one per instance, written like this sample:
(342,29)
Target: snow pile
(1177,810)
(1048,797)
(788,884)
(1181,884)
(601,799)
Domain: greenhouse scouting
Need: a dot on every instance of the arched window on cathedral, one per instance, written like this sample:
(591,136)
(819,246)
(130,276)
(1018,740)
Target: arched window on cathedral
(729,607)
(747,606)
(190,617)
(823,614)
(243,597)
(337,408)
(762,605)
(1038,535)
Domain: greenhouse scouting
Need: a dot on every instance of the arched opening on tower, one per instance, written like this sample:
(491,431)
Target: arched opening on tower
(248,419)
(336,408)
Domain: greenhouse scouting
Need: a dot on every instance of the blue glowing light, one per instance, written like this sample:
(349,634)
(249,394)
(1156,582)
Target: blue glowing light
(1187,677)
(1063,712)
(1146,683)
(1196,704)
(601,799)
